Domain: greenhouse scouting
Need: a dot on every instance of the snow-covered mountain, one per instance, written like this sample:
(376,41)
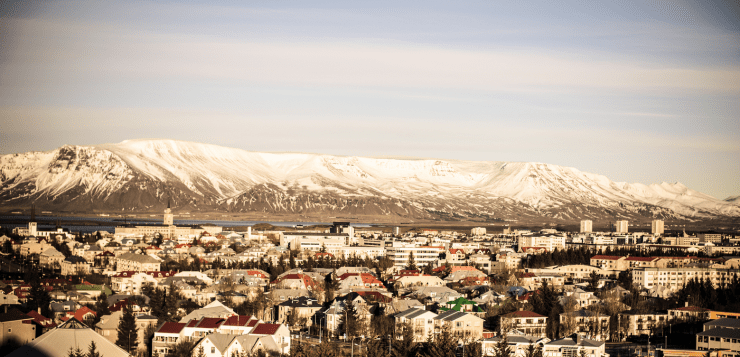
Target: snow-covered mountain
(145,174)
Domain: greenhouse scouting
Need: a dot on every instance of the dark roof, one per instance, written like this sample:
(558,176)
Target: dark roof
(721,332)
(14,315)
(75,259)
(302,301)
(724,322)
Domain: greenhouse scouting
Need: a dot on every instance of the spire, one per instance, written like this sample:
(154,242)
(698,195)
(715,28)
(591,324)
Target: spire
(33,213)
(168,203)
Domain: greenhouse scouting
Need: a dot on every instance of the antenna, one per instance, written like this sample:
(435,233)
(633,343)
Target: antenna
(33,213)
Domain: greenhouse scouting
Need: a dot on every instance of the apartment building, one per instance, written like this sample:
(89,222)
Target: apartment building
(528,322)
(587,226)
(421,321)
(463,325)
(720,334)
(675,278)
(550,242)
(136,262)
(423,255)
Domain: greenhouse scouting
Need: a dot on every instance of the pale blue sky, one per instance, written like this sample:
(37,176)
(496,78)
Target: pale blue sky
(637,91)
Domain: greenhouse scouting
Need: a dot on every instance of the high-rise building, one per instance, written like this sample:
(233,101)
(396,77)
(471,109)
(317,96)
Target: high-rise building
(621,227)
(478,231)
(657,227)
(587,226)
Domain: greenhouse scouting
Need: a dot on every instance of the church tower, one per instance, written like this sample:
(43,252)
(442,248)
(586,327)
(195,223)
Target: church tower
(168,216)
(33,225)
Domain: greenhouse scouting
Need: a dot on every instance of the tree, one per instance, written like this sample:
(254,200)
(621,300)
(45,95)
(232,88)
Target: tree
(77,352)
(349,323)
(38,296)
(406,346)
(441,345)
(201,352)
(593,281)
(534,350)
(93,350)
(128,332)
(502,347)
(412,264)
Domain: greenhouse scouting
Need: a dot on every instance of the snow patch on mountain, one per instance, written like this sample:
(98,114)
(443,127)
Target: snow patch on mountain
(137,171)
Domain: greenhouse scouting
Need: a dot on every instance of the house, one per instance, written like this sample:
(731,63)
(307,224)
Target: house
(304,308)
(578,298)
(432,294)
(589,323)
(642,323)
(415,281)
(136,262)
(462,304)
(518,343)
(349,282)
(16,327)
(238,325)
(295,281)
(214,309)
(688,313)
(167,336)
(43,323)
(573,345)
(51,258)
(528,322)
(420,320)
(720,334)
(71,335)
(278,332)
(75,265)
(108,327)
(462,325)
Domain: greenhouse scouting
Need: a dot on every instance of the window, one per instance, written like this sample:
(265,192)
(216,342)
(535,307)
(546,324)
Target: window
(213,349)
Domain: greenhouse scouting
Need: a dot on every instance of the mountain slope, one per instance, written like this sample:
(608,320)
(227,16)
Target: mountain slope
(143,174)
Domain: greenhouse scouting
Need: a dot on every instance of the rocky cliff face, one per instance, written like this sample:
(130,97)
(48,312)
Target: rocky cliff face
(144,174)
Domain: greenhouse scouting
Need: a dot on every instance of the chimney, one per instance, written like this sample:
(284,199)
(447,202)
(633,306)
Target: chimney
(578,338)
(38,309)
(686,304)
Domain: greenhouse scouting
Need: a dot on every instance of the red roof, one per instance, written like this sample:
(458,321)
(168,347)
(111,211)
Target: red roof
(210,322)
(606,257)
(642,259)
(252,323)
(692,308)
(41,319)
(376,295)
(265,329)
(171,327)
(523,313)
(238,320)
(455,251)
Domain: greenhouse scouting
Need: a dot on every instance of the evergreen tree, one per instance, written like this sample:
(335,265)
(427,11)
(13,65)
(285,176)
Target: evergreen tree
(170,303)
(473,350)
(75,352)
(534,350)
(406,345)
(128,331)
(38,296)
(412,264)
(593,281)
(502,347)
(441,345)
(349,322)
(93,350)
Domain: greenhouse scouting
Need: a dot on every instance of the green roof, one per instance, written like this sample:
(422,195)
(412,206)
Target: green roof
(103,288)
(458,304)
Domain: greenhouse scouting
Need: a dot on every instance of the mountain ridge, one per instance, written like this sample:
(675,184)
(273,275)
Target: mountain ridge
(144,173)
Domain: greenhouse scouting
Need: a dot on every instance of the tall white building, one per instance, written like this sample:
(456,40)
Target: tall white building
(423,255)
(657,226)
(621,226)
(478,231)
(550,242)
(587,226)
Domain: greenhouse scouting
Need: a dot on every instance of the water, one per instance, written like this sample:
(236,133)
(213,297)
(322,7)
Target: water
(46,223)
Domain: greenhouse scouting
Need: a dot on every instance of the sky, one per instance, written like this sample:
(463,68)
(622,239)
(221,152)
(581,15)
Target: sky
(644,91)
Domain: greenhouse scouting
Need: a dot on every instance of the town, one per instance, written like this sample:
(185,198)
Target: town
(176,290)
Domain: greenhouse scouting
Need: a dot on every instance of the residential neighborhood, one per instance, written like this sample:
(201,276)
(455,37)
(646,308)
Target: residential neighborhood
(210,291)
